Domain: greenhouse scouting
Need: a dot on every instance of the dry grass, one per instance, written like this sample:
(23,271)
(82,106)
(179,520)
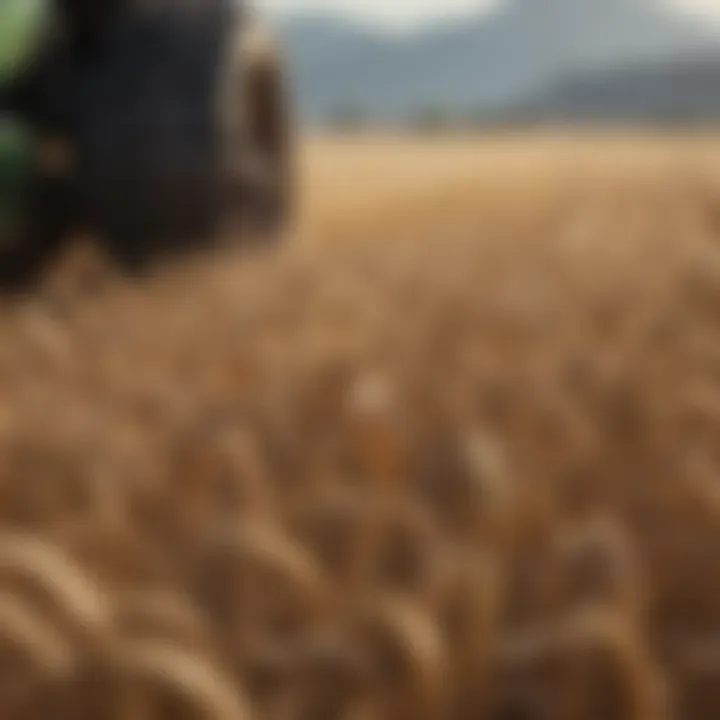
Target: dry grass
(452,454)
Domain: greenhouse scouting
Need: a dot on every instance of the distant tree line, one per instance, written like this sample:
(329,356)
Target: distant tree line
(439,120)
(425,120)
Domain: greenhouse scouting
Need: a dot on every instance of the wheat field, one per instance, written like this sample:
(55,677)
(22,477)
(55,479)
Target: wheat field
(451,453)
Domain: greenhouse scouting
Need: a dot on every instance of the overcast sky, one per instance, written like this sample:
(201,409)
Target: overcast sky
(404,13)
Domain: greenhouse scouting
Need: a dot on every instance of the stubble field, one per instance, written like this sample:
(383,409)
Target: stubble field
(451,453)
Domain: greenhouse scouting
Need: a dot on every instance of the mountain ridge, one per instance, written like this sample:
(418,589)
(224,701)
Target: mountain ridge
(484,61)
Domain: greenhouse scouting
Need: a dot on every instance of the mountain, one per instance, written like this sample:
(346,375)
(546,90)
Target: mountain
(484,61)
(678,90)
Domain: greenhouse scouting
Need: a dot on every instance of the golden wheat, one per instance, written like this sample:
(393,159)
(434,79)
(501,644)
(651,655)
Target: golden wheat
(451,453)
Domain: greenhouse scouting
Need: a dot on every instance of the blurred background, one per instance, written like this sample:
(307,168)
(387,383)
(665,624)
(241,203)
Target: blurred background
(470,64)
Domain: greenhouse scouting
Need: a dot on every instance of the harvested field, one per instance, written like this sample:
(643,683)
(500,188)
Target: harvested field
(453,453)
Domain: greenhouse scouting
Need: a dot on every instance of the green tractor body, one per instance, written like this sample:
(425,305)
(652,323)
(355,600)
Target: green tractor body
(17,162)
(24,28)
(24,25)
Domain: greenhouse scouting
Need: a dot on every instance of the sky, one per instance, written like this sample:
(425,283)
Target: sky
(402,14)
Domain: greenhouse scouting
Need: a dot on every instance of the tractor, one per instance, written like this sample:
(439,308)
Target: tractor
(152,126)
